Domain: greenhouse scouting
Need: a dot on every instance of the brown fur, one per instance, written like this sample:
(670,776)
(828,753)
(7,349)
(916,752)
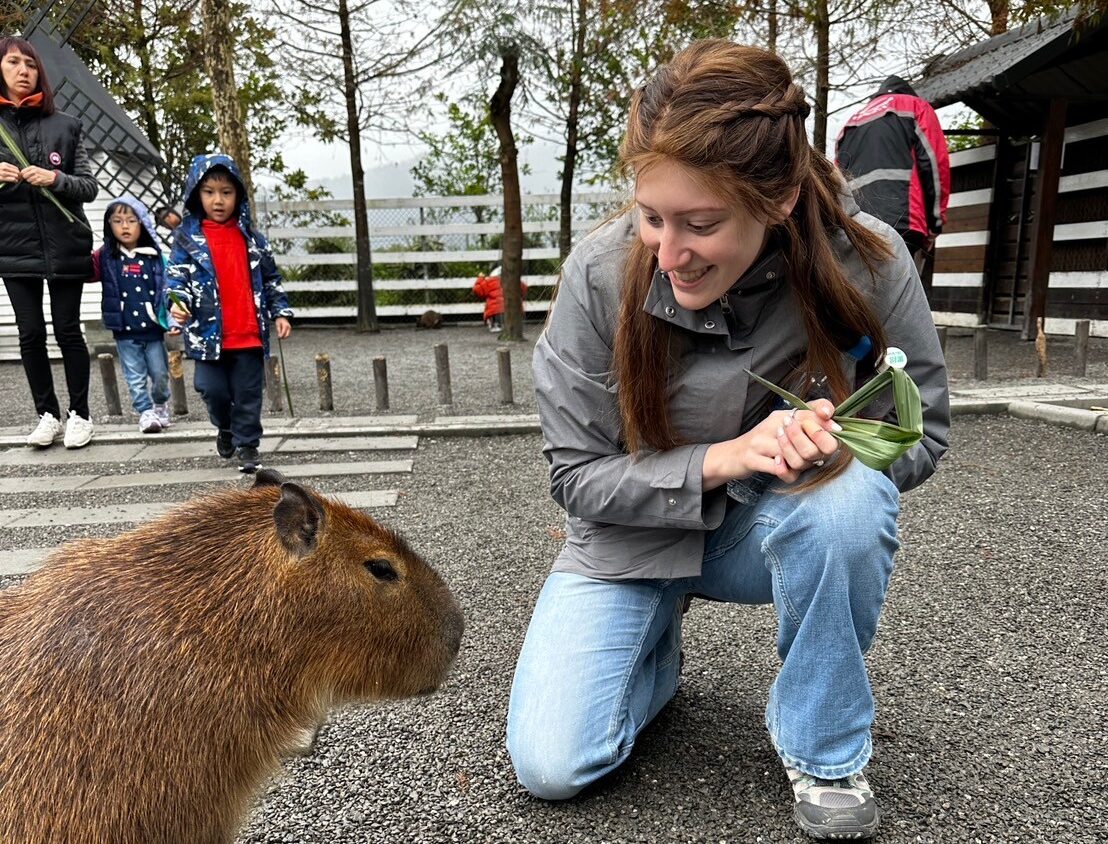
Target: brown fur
(429,319)
(150,682)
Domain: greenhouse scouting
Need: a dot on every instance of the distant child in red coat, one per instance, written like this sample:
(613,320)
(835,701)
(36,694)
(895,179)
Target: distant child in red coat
(488,288)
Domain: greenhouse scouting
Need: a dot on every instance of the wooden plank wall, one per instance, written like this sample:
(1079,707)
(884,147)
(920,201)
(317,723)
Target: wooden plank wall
(975,279)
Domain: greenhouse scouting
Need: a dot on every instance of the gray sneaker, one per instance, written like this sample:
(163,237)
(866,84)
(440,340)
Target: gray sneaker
(833,809)
(162,412)
(148,422)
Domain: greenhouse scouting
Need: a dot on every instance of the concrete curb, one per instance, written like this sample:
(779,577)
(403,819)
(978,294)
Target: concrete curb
(1069,417)
(443,426)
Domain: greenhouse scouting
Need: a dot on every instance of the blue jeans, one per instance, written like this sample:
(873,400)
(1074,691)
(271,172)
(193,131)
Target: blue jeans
(601,658)
(232,390)
(144,360)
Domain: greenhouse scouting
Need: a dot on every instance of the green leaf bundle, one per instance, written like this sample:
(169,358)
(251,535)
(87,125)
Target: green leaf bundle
(21,159)
(877,444)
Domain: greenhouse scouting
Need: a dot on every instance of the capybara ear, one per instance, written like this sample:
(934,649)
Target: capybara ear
(299,519)
(268,477)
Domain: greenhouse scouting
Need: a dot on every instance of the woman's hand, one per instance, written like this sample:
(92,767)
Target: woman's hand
(784,444)
(179,314)
(284,328)
(40,177)
(8,172)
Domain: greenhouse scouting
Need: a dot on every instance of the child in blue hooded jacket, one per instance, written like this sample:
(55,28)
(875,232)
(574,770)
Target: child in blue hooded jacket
(131,270)
(225,288)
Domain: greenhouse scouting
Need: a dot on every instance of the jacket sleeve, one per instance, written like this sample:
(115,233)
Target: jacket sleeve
(80,185)
(909,326)
(178,273)
(591,476)
(933,163)
(276,300)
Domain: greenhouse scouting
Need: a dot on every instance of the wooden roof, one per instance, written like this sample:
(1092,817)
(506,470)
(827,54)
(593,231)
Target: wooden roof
(1010,79)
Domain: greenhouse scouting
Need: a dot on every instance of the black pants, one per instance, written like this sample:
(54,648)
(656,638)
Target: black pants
(232,390)
(65,315)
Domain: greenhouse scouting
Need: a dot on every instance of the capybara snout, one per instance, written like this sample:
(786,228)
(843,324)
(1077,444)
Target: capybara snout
(150,682)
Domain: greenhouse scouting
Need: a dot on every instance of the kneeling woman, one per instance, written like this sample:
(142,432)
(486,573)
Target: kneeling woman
(743,251)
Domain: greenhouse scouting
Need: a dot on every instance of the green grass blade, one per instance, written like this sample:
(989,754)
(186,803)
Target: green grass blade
(864,394)
(798,403)
(909,411)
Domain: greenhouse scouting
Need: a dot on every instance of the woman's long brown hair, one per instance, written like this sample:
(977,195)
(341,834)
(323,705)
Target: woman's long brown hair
(733,118)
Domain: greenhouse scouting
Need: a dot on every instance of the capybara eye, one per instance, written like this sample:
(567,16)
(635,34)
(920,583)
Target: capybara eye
(381,569)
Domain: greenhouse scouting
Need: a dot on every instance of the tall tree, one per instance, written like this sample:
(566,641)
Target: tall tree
(500,108)
(354,68)
(219,58)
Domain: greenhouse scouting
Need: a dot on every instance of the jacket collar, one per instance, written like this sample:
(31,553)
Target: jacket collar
(763,283)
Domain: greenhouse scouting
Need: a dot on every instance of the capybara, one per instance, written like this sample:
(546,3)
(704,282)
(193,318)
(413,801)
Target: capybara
(149,683)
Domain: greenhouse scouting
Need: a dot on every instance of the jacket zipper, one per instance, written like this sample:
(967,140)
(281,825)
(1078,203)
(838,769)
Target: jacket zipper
(36,205)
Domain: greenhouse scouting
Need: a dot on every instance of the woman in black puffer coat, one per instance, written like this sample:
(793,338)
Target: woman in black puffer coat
(39,244)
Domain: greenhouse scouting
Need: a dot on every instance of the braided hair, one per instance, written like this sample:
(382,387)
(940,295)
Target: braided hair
(733,118)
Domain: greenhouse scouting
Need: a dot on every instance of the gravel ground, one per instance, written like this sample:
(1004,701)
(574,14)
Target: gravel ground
(473,368)
(990,669)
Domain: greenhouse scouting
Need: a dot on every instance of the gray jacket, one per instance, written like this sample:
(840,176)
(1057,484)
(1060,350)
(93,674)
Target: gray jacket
(645,516)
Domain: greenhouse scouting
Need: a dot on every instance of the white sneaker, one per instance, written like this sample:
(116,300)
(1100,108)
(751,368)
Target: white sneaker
(162,412)
(78,431)
(46,433)
(149,422)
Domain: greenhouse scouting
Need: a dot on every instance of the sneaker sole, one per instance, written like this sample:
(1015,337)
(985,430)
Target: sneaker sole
(250,468)
(78,445)
(831,832)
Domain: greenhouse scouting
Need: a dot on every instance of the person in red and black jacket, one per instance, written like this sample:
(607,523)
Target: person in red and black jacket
(894,156)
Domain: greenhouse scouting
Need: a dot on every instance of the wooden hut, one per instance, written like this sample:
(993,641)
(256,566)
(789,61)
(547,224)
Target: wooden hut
(1027,229)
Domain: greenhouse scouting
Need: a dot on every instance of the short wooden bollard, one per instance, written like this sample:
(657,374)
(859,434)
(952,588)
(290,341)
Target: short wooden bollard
(980,352)
(111,386)
(177,392)
(942,339)
(442,373)
(504,365)
(381,383)
(1081,347)
(273,383)
(323,376)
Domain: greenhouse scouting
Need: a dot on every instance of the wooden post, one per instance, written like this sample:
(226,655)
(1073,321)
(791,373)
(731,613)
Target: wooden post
(177,392)
(1042,232)
(273,383)
(1040,349)
(980,352)
(442,372)
(941,331)
(504,365)
(111,386)
(381,382)
(323,376)
(1081,347)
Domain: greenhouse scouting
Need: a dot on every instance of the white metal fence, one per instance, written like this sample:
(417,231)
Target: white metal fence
(426,252)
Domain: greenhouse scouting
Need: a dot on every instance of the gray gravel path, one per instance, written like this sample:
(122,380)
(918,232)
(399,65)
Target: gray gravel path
(989,670)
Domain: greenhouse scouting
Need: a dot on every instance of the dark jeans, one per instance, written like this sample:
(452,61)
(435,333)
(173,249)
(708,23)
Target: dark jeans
(232,390)
(65,315)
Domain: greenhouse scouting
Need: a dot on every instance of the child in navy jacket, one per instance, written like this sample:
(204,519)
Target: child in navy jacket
(225,288)
(131,270)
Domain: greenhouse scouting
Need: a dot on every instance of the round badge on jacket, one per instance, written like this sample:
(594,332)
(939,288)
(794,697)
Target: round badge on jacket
(56,159)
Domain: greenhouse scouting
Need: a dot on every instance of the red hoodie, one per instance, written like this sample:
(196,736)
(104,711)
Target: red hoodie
(232,275)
